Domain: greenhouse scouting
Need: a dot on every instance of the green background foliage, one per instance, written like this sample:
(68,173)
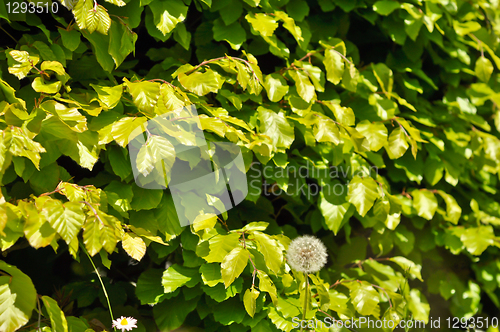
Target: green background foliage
(400,96)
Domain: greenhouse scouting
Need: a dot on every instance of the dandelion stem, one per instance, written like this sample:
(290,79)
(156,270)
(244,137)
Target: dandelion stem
(306,297)
(102,283)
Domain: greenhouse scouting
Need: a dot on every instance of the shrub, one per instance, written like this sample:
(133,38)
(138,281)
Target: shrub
(371,124)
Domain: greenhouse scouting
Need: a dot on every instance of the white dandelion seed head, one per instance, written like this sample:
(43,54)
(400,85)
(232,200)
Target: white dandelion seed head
(125,323)
(306,254)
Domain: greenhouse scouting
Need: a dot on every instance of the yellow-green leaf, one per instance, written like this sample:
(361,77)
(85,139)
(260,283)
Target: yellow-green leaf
(397,143)
(134,246)
(233,264)
(249,300)
(362,194)
(483,69)
(17,298)
(425,202)
(201,83)
(57,319)
(271,251)
(334,65)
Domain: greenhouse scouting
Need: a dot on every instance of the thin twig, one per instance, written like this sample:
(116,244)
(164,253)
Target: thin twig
(93,210)
(479,43)
(102,283)
(39,311)
(8,34)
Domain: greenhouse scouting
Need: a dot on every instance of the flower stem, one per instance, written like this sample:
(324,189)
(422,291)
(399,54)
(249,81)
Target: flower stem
(306,297)
(102,283)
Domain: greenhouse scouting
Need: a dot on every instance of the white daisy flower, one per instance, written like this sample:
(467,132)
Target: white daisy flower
(125,323)
(306,254)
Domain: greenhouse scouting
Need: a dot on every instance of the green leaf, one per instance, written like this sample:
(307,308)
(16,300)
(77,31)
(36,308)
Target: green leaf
(121,42)
(167,14)
(220,246)
(271,251)
(17,298)
(109,95)
(220,293)
(364,297)
(418,306)
(119,196)
(37,231)
(425,202)
(375,133)
(182,36)
(305,88)
(326,130)
(117,2)
(234,33)
(39,85)
(256,226)
(100,45)
(289,24)
(119,162)
(157,153)
(483,69)
(23,146)
(68,115)
(350,77)
(249,300)
(477,239)
(204,221)
(335,214)
(264,24)
(229,312)
(433,169)
(170,315)
(211,274)
(92,235)
(76,324)
(231,13)
(453,210)
(276,87)
(397,144)
(149,288)
(315,74)
(385,7)
(145,94)
(201,83)
(464,28)
(98,19)
(67,219)
(57,319)
(177,276)
(407,265)
(384,77)
(322,290)
(362,194)
(233,264)
(21,63)
(9,94)
(276,127)
(123,129)
(81,11)
(344,115)
(266,285)
(281,323)
(134,246)
(334,65)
